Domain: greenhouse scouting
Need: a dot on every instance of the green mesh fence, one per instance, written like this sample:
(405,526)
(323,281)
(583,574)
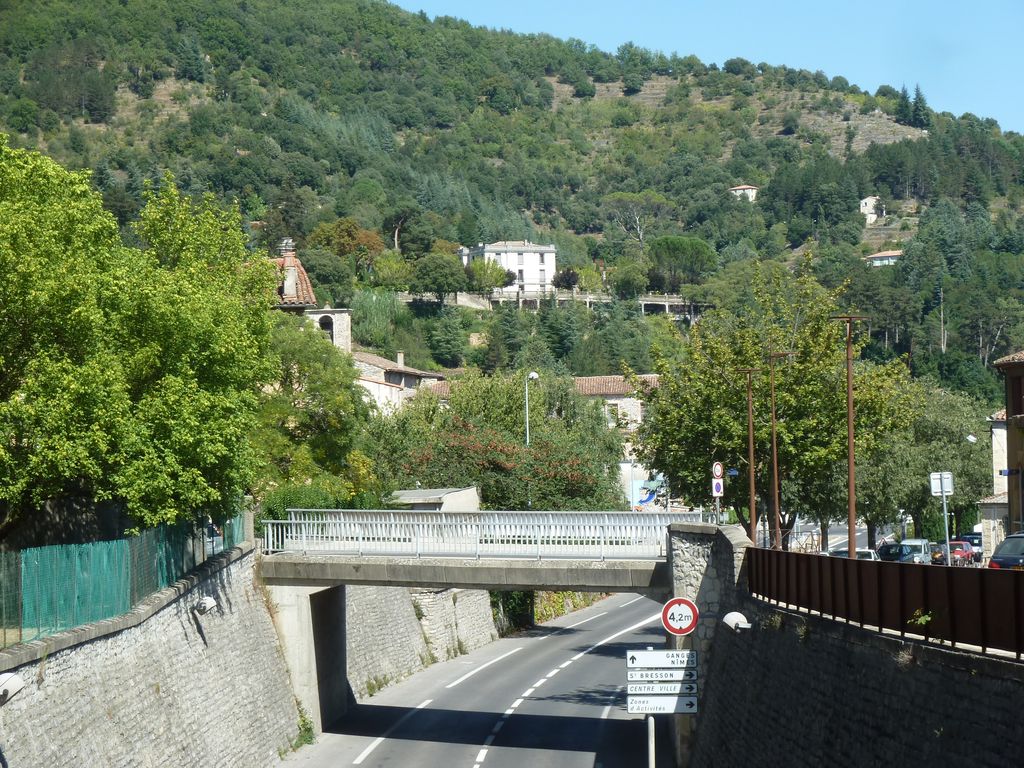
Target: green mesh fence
(10,598)
(64,586)
(52,589)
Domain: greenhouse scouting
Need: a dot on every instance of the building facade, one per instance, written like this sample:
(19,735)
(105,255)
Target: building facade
(1012,368)
(533,265)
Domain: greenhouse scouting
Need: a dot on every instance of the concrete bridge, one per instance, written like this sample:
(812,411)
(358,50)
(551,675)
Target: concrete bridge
(579,551)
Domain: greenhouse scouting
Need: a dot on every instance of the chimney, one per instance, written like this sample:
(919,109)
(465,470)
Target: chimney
(291,281)
(400,359)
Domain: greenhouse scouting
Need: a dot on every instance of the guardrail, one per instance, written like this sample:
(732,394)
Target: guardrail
(514,535)
(962,606)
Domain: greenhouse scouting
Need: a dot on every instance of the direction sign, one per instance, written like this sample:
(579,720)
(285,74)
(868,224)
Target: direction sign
(661,705)
(662,675)
(679,615)
(661,689)
(661,659)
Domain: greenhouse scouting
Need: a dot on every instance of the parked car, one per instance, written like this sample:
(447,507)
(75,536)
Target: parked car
(921,549)
(963,554)
(1009,553)
(898,553)
(975,540)
(862,554)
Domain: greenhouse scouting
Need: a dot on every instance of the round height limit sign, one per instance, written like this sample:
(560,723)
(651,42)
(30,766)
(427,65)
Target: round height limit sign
(680,616)
(717,481)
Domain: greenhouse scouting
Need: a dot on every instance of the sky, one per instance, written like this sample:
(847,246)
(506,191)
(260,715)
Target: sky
(963,55)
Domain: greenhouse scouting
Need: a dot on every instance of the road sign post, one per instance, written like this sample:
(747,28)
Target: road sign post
(665,682)
(942,485)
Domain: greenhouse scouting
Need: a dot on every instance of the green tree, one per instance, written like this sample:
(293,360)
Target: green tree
(636,212)
(311,416)
(629,279)
(447,338)
(698,412)
(439,274)
(130,374)
(485,276)
(920,115)
(571,463)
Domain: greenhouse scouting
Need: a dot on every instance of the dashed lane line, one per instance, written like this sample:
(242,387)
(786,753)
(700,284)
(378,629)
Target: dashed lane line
(380,739)
(482,667)
(482,755)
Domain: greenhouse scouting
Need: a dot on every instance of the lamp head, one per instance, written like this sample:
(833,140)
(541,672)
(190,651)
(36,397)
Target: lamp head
(533,376)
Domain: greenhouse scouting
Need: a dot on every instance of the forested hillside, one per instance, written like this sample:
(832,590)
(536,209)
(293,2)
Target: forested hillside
(374,137)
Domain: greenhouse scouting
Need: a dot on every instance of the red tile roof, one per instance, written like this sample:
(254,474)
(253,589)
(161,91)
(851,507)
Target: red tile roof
(392,367)
(1016,357)
(607,386)
(304,296)
(593,386)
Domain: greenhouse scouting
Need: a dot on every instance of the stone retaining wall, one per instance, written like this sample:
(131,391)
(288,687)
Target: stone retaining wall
(393,632)
(800,690)
(160,686)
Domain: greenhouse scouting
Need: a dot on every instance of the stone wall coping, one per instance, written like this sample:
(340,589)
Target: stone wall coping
(25,653)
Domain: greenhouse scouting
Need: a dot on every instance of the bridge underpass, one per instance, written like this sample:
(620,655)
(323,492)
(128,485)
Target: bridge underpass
(310,558)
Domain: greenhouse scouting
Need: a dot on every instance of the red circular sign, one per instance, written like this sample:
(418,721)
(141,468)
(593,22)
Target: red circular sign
(680,616)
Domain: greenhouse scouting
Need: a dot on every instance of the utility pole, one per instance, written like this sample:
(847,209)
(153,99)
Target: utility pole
(777,535)
(750,450)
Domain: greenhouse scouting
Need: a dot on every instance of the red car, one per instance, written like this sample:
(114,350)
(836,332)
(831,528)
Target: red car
(963,552)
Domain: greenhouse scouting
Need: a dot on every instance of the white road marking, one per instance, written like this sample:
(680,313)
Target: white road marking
(632,601)
(380,740)
(552,673)
(516,703)
(489,740)
(598,616)
(482,667)
(540,682)
(498,725)
(605,711)
(655,617)
(509,712)
(528,693)
(563,666)
(481,755)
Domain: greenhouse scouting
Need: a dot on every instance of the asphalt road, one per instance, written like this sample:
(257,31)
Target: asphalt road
(554,696)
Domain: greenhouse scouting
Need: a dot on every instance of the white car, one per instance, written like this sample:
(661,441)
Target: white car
(862,554)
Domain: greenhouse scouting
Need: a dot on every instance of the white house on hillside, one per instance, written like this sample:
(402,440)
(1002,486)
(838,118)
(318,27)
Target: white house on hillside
(883,258)
(745,191)
(531,263)
(871,208)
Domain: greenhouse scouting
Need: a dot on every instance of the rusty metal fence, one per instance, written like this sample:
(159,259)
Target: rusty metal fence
(962,606)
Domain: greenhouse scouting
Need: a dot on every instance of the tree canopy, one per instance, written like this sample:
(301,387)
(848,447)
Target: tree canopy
(129,373)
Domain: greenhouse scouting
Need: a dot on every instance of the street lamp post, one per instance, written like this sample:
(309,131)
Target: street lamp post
(851,549)
(750,450)
(531,376)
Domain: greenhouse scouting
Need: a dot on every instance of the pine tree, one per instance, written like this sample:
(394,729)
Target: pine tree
(920,116)
(904,111)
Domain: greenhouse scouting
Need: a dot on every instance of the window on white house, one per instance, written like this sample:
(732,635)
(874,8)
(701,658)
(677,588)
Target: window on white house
(542,277)
(541,258)
(521,278)
(520,259)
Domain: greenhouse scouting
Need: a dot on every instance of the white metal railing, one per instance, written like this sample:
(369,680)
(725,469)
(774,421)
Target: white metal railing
(534,535)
